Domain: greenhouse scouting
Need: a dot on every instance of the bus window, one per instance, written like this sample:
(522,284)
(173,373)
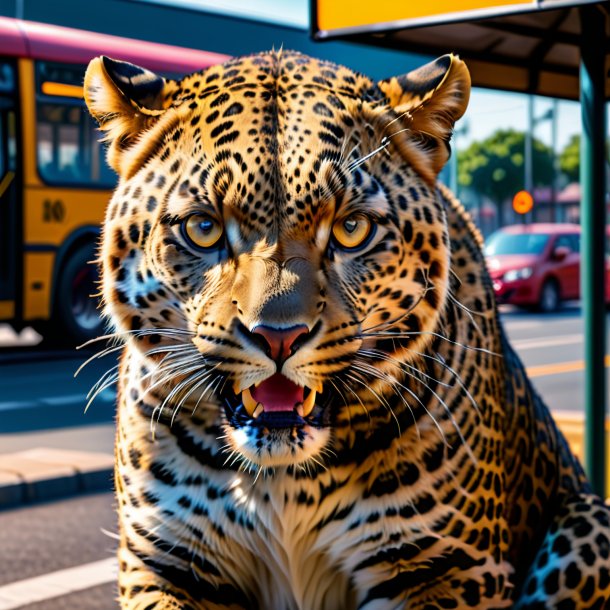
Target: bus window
(7,131)
(12,141)
(7,78)
(68,150)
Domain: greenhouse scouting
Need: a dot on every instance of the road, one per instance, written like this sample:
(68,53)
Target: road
(69,543)
(551,347)
(41,547)
(42,403)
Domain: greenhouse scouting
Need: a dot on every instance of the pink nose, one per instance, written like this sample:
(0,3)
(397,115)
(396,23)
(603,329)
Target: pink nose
(280,341)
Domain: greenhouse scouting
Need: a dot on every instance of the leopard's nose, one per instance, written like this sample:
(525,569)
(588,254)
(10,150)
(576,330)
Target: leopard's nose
(280,343)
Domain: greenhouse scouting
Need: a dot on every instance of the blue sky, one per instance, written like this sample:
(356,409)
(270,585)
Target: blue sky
(287,12)
(490,110)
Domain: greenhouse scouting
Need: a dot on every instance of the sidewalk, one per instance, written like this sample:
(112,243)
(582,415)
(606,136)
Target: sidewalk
(49,448)
(41,474)
(98,438)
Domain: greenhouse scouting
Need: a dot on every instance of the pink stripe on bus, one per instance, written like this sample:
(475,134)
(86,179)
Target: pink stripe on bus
(54,43)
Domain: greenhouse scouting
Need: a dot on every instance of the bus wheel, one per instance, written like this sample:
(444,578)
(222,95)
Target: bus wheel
(76,317)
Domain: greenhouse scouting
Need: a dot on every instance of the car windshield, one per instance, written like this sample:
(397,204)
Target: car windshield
(515,243)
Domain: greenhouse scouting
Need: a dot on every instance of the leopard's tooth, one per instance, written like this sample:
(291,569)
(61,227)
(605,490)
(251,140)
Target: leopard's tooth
(299,409)
(319,388)
(309,403)
(249,403)
(237,387)
(258,410)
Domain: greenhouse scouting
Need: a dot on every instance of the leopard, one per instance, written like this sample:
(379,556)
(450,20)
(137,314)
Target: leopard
(318,408)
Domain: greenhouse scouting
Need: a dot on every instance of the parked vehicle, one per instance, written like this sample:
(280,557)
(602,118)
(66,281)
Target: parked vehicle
(535,265)
(54,182)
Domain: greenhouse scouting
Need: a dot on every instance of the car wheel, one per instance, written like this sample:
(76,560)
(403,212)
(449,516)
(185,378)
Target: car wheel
(76,317)
(549,297)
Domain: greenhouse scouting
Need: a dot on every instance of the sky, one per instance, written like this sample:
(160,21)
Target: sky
(488,110)
(286,12)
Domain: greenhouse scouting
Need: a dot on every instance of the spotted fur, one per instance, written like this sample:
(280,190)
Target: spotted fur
(429,473)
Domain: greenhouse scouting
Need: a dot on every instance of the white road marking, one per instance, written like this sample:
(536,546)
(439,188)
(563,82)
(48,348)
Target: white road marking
(546,342)
(55,584)
(510,325)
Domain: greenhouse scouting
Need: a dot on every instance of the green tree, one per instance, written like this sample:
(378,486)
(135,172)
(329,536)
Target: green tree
(569,158)
(494,167)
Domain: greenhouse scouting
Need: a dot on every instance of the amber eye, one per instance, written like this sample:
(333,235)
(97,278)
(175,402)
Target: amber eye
(353,232)
(202,231)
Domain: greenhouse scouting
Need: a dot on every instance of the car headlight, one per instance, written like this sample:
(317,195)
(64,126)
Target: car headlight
(518,274)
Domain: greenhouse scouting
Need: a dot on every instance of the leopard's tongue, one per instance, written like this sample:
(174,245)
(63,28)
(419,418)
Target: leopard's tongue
(278,393)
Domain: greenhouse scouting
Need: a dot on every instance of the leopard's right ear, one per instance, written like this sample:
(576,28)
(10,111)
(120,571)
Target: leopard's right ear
(125,100)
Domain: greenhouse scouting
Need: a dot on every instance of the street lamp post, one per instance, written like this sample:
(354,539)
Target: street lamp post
(529,139)
(555,112)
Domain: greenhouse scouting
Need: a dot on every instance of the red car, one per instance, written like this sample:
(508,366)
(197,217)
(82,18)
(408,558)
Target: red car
(535,265)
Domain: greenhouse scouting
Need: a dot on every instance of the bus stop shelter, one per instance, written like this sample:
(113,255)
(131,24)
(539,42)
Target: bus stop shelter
(554,48)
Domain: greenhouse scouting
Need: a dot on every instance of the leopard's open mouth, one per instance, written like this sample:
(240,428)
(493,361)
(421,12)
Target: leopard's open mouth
(277,402)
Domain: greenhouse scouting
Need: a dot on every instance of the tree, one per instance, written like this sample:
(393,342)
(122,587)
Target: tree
(494,167)
(569,158)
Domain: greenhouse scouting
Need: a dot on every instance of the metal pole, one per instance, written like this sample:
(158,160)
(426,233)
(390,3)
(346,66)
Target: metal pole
(554,117)
(593,223)
(528,162)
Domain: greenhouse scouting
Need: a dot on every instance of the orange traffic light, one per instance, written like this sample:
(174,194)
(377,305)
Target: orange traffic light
(523,202)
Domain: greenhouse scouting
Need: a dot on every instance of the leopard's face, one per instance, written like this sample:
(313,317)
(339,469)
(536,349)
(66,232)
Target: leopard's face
(275,243)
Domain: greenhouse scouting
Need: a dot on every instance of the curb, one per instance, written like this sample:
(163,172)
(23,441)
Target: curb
(37,475)
(43,474)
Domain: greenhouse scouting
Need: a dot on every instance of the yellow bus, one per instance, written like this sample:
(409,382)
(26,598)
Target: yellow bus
(54,181)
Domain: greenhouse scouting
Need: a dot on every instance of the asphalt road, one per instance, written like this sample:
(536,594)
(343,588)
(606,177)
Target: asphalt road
(43,545)
(43,404)
(551,347)
(70,542)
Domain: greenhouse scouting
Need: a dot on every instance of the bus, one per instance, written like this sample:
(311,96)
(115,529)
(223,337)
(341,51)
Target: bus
(54,181)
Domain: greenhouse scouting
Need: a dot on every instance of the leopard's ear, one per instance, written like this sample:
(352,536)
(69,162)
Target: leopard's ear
(125,100)
(427,102)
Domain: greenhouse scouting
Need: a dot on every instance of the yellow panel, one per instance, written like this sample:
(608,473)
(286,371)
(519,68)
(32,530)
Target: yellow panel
(573,428)
(340,14)
(52,214)
(38,267)
(50,88)
(7,310)
(28,121)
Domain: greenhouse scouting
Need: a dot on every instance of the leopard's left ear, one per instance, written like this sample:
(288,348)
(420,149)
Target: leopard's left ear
(126,100)
(427,102)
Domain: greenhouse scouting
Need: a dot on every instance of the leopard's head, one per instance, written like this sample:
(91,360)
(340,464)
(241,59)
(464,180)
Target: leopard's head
(276,243)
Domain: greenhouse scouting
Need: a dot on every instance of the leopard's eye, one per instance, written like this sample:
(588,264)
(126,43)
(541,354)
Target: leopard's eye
(202,231)
(353,232)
